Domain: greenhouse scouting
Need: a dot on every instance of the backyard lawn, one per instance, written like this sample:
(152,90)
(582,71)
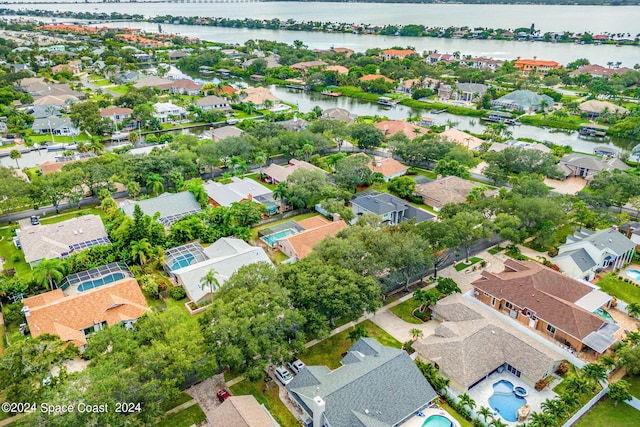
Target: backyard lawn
(329,352)
(634,385)
(405,310)
(627,292)
(605,414)
(185,418)
(267,394)
(8,251)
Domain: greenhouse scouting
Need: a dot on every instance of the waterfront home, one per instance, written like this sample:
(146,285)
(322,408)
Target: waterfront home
(370,77)
(464,328)
(437,57)
(535,66)
(392,127)
(59,240)
(224,132)
(75,317)
(585,166)
(389,54)
(314,230)
(387,166)
(181,86)
(587,252)
(259,96)
(375,386)
(52,166)
(464,139)
(176,55)
(170,207)
(408,86)
(305,66)
(340,114)
(483,63)
(524,100)
(448,189)
(167,111)
(595,108)
(275,174)
(242,411)
(117,114)
(391,209)
(499,146)
(213,102)
(238,190)
(598,71)
(60,126)
(558,306)
(151,81)
(272,61)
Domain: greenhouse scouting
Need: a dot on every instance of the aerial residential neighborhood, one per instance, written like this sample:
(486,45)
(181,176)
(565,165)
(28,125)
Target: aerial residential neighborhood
(274,232)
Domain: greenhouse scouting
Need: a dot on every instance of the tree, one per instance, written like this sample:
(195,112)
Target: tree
(447,286)
(541,419)
(633,308)
(415,334)
(619,392)
(629,358)
(211,281)
(452,168)
(425,298)
(402,186)
(155,184)
(466,400)
(357,332)
(306,188)
(49,271)
(366,135)
(133,189)
(578,385)
(141,250)
(15,155)
(485,413)
(594,372)
(86,116)
(467,228)
(353,171)
(280,192)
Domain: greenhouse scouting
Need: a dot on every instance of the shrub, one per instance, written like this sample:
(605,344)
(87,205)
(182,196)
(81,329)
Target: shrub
(562,368)
(15,258)
(177,293)
(13,313)
(552,252)
(541,384)
(150,286)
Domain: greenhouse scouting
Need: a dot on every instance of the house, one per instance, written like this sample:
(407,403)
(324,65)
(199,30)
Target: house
(604,150)
(57,165)
(226,256)
(117,114)
(38,88)
(316,229)
(371,77)
(60,126)
(42,111)
(561,308)
(272,61)
(171,207)
(275,174)
(483,63)
(470,92)
(59,240)
(238,190)
(499,146)
(128,77)
(594,108)
(391,209)
(375,386)
(167,111)
(56,100)
(389,167)
(437,57)
(305,66)
(75,67)
(632,231)
(177,54)
(389,54)
(524,100)
(465,327)
(449,189)
(445,91)
(73,318)
(242,411)
(212,102)
(295,124)
(224,132)
(259,96)
(409,85)
(339,114)
(535,66)
(598,71)
(392,127)
(151,81)
(588,252)
(585,166)
(459,137)
(338,69)
(181,86)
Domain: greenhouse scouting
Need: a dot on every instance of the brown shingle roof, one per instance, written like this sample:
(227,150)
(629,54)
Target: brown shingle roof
(386,166)
(450,189)
(53,313)
(241,411)
(304,242)
(549,294)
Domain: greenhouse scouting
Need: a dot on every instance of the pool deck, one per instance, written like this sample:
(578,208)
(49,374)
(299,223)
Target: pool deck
(417,421)
(483,391)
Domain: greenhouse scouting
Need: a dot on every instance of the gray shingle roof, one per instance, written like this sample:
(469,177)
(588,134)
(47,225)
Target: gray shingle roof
(172,206)
(612,240)
(377,386)
(524,98)
(384,203)
(580,257)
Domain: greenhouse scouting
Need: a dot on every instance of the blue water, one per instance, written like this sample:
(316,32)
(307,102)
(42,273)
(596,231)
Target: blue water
(634,274)
(272,238)
(437,421)
(605,315)
(182,261)
(85,286)
(504,402)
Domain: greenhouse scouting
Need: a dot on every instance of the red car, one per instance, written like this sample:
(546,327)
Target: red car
(223,395)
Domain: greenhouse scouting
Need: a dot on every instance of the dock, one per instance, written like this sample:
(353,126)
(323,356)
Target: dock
(329,93)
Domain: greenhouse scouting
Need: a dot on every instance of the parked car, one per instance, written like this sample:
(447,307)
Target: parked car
(35,220)
(296,366)
(223,395)
(283,375)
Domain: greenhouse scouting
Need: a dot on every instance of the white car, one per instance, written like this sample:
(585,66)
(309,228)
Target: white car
(296,366)
(283,375)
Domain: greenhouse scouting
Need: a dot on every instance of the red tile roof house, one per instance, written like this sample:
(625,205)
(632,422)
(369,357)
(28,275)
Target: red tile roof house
(304,66)
(370,77)
(397,54)
(391,127)
(300,245)
(549,302)
(389,167)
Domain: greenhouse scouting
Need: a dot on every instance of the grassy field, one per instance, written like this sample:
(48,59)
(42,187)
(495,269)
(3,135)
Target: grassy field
(58,139)
(185,418)
(8,251)
(101,82)
(267,394)
(606,414)
(405,309)
(119,89)
(627,292)
(634,385)
(329,352)
(473,260)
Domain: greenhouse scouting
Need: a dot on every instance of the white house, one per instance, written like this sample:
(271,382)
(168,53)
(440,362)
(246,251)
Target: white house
(164,111)
(55,125)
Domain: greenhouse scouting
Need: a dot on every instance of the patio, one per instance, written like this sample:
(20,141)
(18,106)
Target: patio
(484,390)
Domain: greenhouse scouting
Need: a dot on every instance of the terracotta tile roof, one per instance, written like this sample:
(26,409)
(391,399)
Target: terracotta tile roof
(551,295)
(399,52)
(313,222)
(55,314)
(536,63)
(337,68)
(391,127)
(369,77)
(304,242)
(461,138)
(386,166)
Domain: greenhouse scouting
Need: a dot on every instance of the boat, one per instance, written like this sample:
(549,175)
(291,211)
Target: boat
(444,110)
(387,102)
(329,93)
(61,147)
(593,130)
(119,136)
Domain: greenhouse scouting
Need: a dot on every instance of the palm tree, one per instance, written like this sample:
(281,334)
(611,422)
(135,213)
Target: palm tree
(594,372)
(141,250)
(497,422)
(281,192)
(633,309)
(570,399)
(49,271)
(15,155)
(133,188)
(619,392)
(607,361)
(541,419)
(416,334)
(466,400)
(554,407)
(155,184)
(96,146)
(485,413)
(211,281)
(578,385)
(260,159)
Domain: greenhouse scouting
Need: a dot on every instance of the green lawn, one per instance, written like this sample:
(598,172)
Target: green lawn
(254,231)
(122,90)
(634,385)
(170,404)
(494,250)
(8,250)
(329,352)
(267,394)
(605,414)
(254,176)
(185,418)
(405,309)
(54,218)
(461,265)
(58,139)
(101,82)
(627,292)
(454,414)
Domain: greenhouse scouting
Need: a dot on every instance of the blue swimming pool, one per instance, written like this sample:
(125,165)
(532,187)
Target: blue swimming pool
(605,315)
(110,278)
(437,421)
(505,402)
(272,238)
(182,261)
(634,274)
